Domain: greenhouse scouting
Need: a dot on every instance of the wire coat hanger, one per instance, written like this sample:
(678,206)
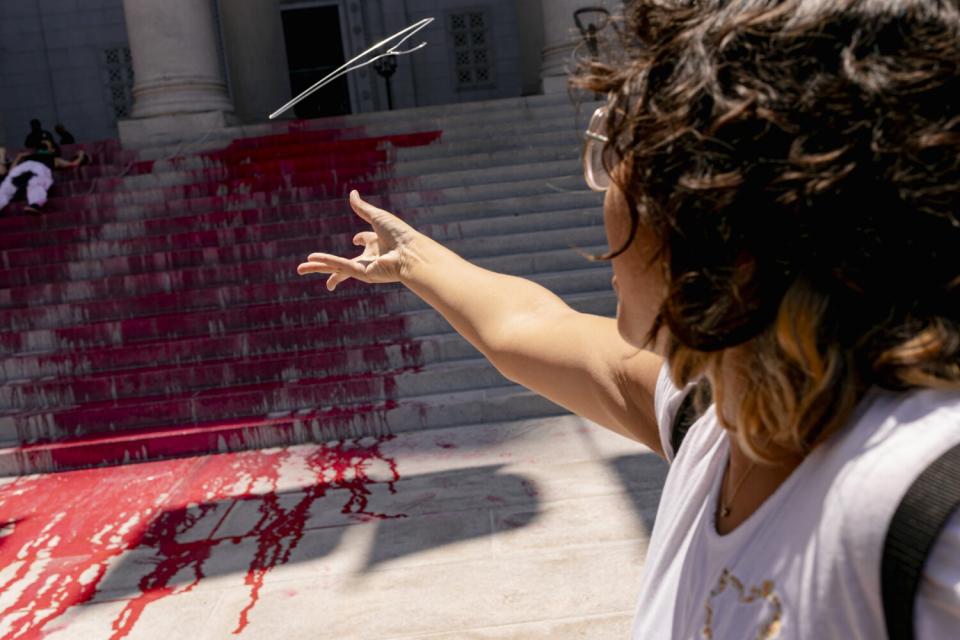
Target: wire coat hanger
(354,63)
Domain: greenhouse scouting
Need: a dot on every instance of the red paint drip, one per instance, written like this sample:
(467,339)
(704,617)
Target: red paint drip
(54,518)
(100,514)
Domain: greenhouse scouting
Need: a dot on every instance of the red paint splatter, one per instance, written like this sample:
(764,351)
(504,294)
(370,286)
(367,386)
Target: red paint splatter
(285,528)
(61,532)
(213,232)
(45,537)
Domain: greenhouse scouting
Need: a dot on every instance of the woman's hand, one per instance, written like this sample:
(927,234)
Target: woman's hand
(387,249)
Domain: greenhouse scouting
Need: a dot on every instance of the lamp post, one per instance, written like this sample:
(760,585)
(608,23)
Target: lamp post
(385,68)
(589,30)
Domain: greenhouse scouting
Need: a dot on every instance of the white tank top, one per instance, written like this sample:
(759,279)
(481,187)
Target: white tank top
(806,564)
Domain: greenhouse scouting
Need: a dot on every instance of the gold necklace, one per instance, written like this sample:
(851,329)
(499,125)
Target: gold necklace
(725,505)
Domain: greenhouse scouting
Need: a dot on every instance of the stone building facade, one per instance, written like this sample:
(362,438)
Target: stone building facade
(160,68)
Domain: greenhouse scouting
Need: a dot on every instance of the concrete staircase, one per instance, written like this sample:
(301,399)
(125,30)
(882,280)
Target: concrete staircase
(155,311)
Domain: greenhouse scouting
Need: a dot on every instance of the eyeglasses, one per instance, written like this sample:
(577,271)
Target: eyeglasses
(593,170)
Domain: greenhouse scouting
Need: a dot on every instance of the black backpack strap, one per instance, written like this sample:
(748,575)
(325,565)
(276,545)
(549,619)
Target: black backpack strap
(921,516)
(688,412)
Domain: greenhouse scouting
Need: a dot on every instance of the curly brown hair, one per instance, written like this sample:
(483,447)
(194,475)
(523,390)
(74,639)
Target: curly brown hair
(799,162)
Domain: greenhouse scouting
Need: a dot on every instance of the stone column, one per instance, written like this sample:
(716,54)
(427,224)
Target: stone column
(560,39)
(253,34)
(530,24)
(179,87)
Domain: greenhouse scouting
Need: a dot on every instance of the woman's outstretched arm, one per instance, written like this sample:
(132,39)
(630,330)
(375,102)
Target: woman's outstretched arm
(529,334)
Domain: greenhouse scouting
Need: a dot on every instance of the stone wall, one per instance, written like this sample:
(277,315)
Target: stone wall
(62,60)
(430,76)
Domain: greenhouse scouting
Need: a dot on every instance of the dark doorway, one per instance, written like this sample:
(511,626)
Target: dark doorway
(314,49)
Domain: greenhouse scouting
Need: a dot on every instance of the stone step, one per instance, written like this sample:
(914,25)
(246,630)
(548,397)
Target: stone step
(362,150)
(528,138)
(268,246)
(156,379)
(427,412)
(405,120)
(280,267)
(484,183)
(508,107)
(457,204)
(96,356)
(276,267)
(201,301)
(196,364)
(446,157)
(277,152)
(461,121)
(212,323)
(442,157)
(106,221)
(343,395)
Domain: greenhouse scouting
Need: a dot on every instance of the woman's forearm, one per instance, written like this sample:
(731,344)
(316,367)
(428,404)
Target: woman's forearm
(483,306)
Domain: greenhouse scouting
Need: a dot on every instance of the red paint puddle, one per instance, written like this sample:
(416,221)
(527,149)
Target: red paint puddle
(63,531)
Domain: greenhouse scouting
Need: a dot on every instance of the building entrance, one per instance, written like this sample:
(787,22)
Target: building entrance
(314,45)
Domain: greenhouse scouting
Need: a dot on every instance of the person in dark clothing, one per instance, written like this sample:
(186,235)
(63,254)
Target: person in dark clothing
(38,135)
(45,155)
(49,155)
(65,136)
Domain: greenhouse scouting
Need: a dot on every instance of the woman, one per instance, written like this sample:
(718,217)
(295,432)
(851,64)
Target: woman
(782,212)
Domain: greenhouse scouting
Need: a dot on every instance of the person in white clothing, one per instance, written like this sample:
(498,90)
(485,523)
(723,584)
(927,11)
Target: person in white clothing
(783,213)
(33,176)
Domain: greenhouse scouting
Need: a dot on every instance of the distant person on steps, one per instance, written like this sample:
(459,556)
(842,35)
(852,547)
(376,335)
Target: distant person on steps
(38,137)
(65,136)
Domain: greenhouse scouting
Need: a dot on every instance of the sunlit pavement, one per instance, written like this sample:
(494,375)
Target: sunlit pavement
(532,529)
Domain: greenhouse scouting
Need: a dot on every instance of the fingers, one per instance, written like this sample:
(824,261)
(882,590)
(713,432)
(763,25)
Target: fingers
(306,268)
(364,238)
(326,263)
(335,279)
(340,269)
(336,276)
(364,209)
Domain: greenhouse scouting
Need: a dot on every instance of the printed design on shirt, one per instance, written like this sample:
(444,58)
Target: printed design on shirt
(764,594)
